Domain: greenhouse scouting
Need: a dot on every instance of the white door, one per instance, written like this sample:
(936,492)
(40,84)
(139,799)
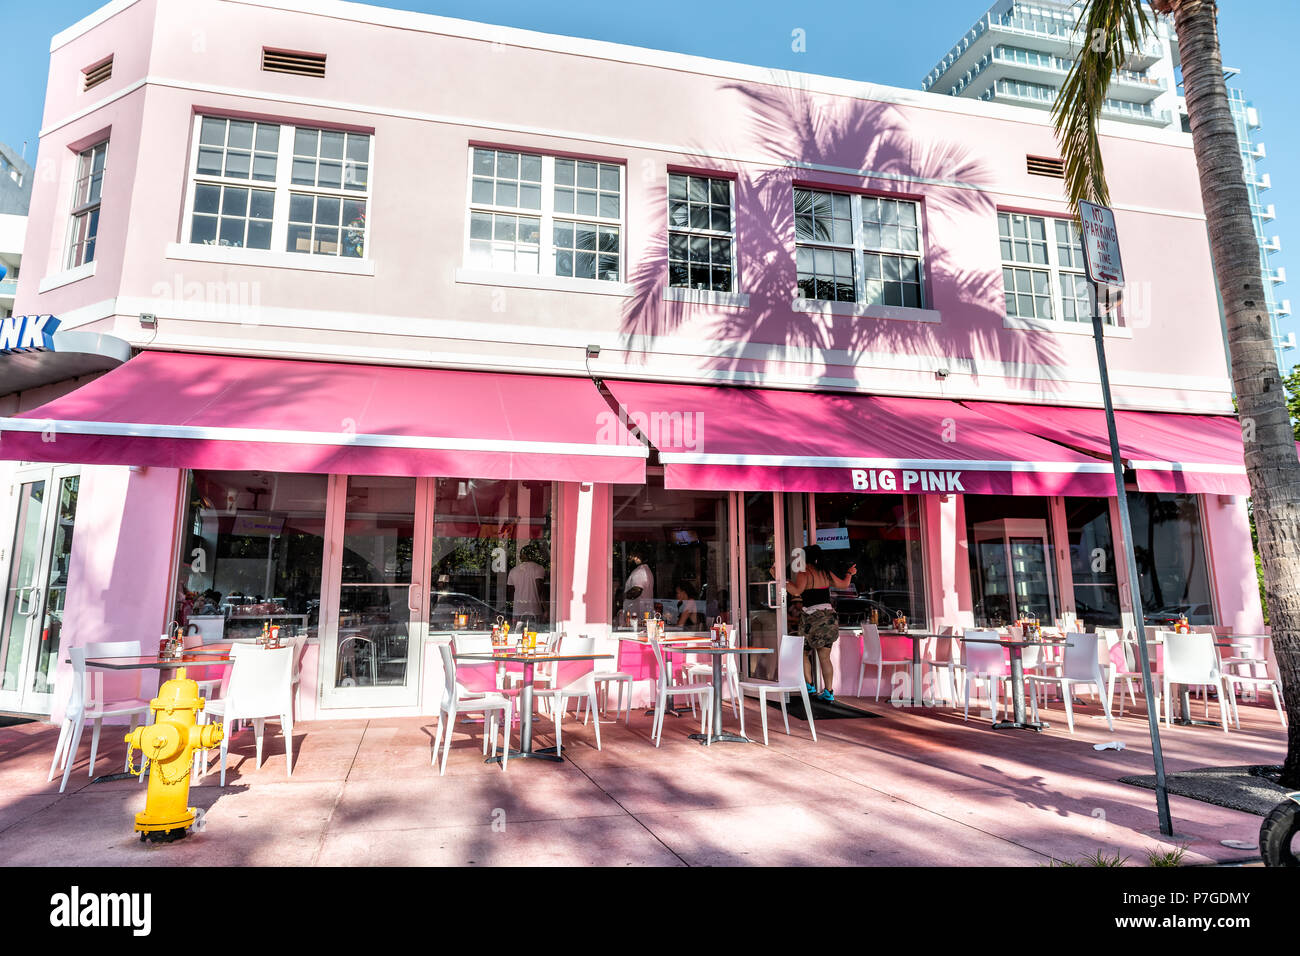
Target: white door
(35,552)
(375,593)
(1014,570)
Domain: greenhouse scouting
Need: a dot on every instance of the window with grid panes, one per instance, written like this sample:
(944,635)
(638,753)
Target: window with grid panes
(858,248)
(1026,273)
(263,185)
(516,224)
(823,231)
(587,246)
(1044,278)
(701,233)
(891,251)
(85,205)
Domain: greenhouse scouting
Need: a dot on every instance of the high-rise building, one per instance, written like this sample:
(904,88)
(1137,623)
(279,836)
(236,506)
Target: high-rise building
(1020,54)
(15,196)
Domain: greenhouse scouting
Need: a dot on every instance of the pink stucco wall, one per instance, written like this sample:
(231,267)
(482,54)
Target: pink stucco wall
(120,565)
(962,160)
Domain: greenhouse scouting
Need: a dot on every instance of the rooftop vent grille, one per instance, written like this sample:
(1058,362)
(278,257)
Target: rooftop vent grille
(97,74)
(287,61)
(1043,166)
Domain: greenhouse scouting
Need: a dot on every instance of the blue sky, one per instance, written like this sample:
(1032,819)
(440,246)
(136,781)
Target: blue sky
(895,42)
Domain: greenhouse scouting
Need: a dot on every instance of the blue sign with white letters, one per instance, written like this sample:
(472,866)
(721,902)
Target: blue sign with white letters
(28,333)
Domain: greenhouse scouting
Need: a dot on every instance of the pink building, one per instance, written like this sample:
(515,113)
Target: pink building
(381,299)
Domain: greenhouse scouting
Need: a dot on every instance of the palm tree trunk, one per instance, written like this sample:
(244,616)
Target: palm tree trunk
(1271,463)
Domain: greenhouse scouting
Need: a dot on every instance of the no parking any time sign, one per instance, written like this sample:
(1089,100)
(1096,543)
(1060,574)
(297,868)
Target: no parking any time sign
(1101,245)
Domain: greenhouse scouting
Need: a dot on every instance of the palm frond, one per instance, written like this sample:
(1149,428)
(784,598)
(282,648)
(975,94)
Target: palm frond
(1109,30)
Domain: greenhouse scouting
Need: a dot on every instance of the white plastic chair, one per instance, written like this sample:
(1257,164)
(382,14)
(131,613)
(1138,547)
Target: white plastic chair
(987,662)
(620,677)
(469,687)
(945,639)
(84,704)
(1190,660)
(1232,678)
(1118,664)
(260,688)
(573,679)
(1080,666)
(789,679)
(665,689)
(299,644)
(869,642)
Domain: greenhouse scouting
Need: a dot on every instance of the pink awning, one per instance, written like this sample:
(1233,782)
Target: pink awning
(1200,454)
(745,439)
(180,410)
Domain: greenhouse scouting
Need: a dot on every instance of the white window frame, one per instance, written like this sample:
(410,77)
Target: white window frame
(710,233)
(83,209)
(1055,271)
(282,186)
(860,250)
(548,217)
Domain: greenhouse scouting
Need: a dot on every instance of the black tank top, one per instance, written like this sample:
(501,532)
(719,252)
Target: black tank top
(812,596)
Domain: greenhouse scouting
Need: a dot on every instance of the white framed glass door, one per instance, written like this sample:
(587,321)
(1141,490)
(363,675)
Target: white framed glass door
(1014,570)
(37,549)
(772,527)
(376,584)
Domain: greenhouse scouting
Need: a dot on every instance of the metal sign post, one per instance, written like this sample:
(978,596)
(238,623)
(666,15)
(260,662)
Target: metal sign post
(1106,271)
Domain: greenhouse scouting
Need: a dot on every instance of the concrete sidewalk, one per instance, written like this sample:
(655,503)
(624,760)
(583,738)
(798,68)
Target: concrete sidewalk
(913,788)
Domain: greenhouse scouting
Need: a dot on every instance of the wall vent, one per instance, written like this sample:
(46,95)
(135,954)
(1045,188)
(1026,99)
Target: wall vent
(94,75)
(288,61)
(1044,166)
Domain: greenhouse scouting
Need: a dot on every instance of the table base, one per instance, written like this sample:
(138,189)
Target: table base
(669,711)
(535,754)
(1188,722)
(1020,725)
(714,738)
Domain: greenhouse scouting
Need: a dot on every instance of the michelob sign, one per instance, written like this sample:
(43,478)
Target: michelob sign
(1100,245)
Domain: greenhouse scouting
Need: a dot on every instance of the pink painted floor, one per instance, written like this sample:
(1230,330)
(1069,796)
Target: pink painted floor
(914,788)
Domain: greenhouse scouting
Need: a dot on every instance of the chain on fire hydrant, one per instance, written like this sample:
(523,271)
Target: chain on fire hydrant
(169,744)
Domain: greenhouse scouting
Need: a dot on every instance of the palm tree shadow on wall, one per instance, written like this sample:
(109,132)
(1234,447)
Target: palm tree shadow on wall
(832,142)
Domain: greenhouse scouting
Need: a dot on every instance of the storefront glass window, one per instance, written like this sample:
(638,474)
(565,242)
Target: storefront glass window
(1170,553)
(252,553)
(670,556)
(881,534)
(1010,543)
(1092,561)
(375,579)
(491,554)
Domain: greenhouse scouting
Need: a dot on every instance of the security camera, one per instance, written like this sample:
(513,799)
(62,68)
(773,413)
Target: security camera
(593,351)
(941,373)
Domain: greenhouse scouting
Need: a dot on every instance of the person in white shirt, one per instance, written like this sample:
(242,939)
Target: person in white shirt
(639,591)
(525,582)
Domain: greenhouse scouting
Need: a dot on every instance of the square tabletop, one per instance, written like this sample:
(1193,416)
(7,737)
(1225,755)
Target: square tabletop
(721,649)
(527,657)
(212,654)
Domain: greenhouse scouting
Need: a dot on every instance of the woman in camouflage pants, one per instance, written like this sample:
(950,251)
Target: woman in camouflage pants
(818,623)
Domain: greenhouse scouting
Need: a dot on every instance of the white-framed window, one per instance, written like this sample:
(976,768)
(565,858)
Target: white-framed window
(854,248)
(84,228)
(1043,275)
(701,232)
(551,215)
(279,187)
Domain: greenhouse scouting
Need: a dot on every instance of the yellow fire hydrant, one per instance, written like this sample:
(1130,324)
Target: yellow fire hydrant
(169,744)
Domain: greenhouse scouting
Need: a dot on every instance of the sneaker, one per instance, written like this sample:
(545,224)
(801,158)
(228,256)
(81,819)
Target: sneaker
(827,696)
(811,689)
